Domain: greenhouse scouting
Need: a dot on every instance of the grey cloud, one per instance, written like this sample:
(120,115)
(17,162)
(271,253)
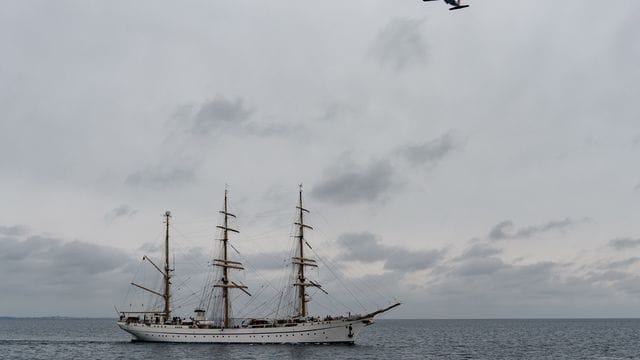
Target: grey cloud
(621,263)
(15,230)
(479,259)
(368,247)
(505,229)
(479,279)
(150,247)
(71,277)
(162,176)
(400,44)
(356,185)
(59,258)
(265,129)
(629,284)
(624,243)
(490,282)
(337,111)
(219,114)
(608,276)
(123,210)
(499,231)
(275,260)
(430,152)
(350,183)
(402,259)
(479,250)
(480,266)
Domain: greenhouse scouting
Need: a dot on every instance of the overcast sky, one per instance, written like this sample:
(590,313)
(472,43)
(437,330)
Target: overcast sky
(471,164)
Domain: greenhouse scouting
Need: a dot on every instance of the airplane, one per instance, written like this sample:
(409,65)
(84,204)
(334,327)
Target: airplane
(455,3)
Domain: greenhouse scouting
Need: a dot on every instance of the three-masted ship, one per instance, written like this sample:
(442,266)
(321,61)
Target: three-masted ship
(161,326)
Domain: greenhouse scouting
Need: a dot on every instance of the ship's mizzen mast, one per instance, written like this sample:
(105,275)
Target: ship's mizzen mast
(227,264)
(301,261)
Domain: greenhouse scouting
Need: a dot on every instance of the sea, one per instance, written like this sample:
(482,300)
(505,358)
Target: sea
(56,338)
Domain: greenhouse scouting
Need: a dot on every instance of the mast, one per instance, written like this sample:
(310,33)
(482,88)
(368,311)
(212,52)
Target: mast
(167,274)
(227,264)
(301,261)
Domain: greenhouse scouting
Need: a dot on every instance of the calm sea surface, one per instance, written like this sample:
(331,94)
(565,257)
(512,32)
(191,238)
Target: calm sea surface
(387,339)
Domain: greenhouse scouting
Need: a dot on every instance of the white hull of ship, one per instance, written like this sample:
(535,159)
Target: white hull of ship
(333,331)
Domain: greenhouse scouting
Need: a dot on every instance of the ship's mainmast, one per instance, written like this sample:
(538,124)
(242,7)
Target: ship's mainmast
(301,261)
(227,264)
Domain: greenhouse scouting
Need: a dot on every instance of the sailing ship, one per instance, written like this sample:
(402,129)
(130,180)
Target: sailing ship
(161,326)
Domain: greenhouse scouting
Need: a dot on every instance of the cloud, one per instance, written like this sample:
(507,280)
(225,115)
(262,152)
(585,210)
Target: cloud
(480,283)
(275,260)
(265,129)
(400,44)
(491,287)
(150,248)
(430,152)
(480,266)
(349,183)
(15,230)
(608,276)
(621,263)
(367,247)
(53,276)
(162,176)
(356,185)
(624,243)
(480,250)
(220,114)
(60,259)
(336,111)
(505,230)
(123,210)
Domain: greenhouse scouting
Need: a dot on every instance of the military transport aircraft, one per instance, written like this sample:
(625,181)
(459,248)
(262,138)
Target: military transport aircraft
(455,3)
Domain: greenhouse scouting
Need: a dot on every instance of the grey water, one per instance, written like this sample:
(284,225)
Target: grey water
(387,339)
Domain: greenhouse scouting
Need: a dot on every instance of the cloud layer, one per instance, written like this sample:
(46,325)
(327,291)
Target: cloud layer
(354,185)
(367,247)
(506,229)
(75,276)
(349,183)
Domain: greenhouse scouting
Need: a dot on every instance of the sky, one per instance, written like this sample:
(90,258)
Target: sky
(470,164)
